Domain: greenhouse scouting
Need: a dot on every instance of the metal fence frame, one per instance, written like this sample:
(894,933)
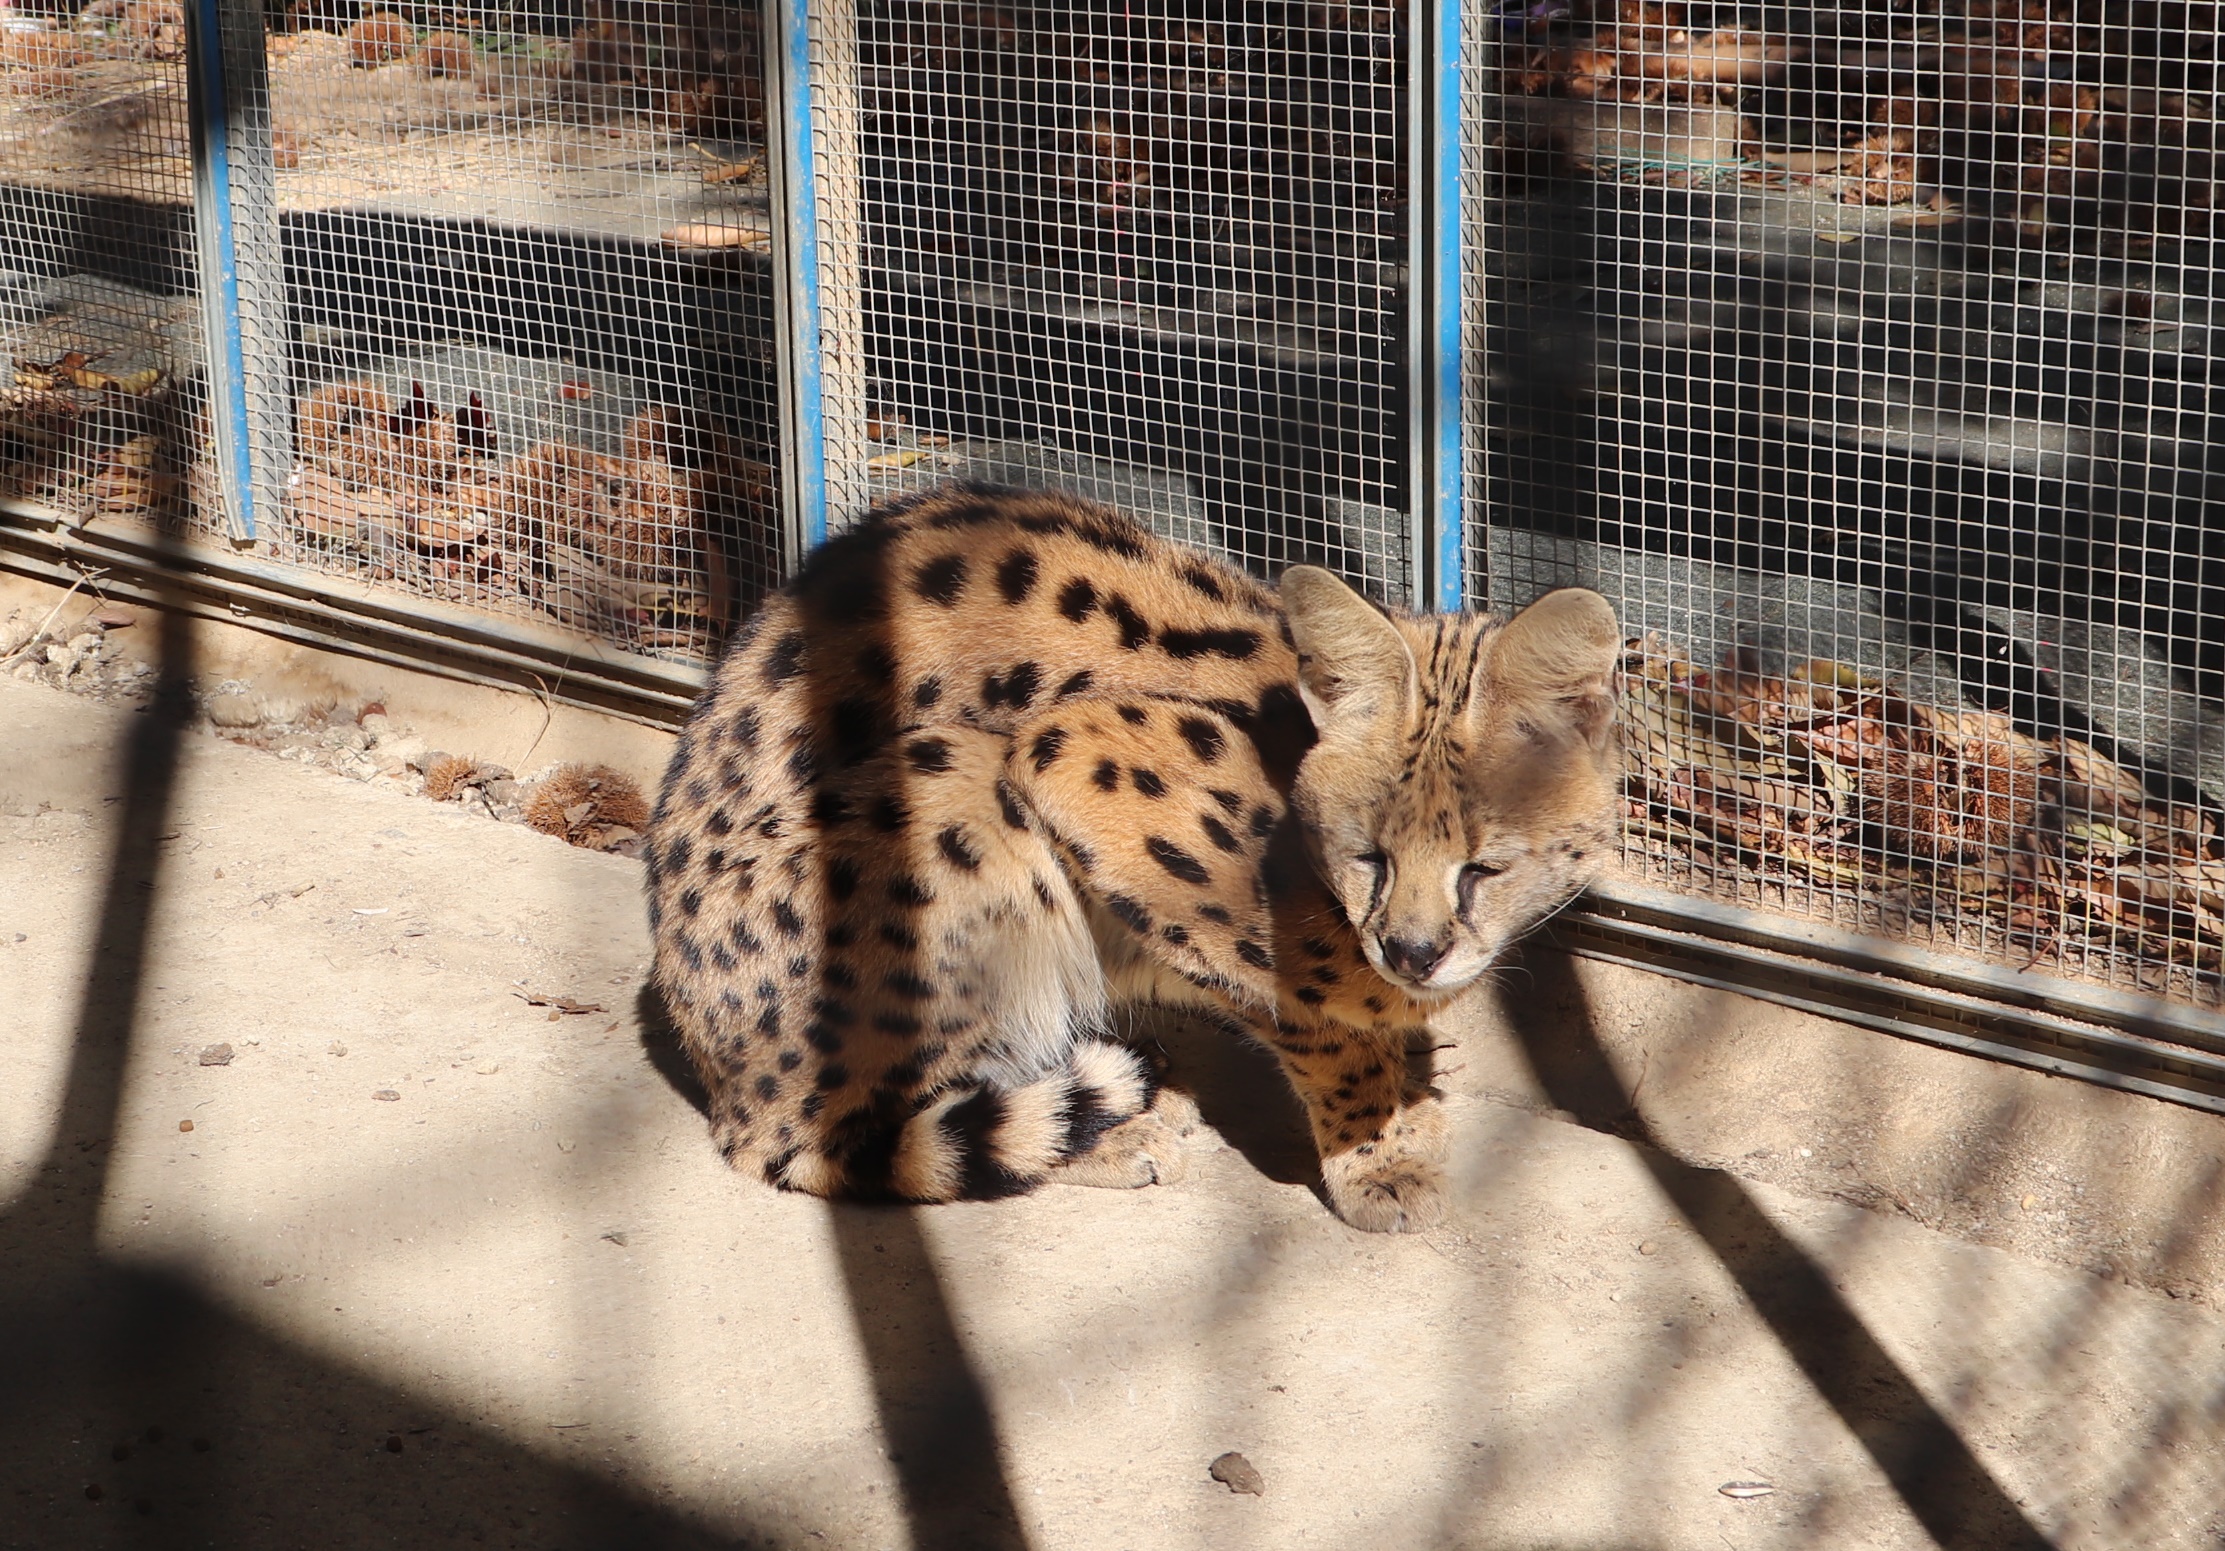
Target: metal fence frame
(2092,1032)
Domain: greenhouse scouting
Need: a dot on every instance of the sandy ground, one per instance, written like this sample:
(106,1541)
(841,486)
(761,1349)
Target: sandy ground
(436,1267)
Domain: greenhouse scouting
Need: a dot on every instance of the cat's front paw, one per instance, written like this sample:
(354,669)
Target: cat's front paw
(1396,1183)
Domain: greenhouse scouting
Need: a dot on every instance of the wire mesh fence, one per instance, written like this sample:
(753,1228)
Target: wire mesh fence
(1861,358)
(1150,253)
(1864,363)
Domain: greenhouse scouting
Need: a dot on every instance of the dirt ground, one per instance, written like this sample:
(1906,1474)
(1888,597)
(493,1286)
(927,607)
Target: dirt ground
(438,1265)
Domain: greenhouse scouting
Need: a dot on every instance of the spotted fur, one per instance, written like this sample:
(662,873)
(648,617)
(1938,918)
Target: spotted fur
(995,761)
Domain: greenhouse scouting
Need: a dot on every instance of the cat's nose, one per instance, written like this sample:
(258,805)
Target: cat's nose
(1414,959)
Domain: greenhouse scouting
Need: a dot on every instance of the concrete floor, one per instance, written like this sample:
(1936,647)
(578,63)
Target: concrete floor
(1914,1299)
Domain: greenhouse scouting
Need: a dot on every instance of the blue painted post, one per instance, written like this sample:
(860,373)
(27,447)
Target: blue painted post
(209,105)
(796,313)
(1433,333)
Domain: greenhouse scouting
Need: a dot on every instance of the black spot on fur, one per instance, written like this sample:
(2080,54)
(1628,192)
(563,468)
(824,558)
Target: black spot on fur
(898,936)
(785,918)
(1132,913)
(718,823)
(768,1021)
(745,939)
(745,727)
(1176,861)
(929,690)
(691,902)
(1075,684)
(790,1060)
(1008,803)
(676,854)
(1263,820)
(1077,600)
(1134,630)
(831,1076)
(1186,645)
(859,726)
(830,808)
(1372,1003)
(799,966)
(1113,537)
(1043,894)
(1217,914)
(842,878)
(835,1014)
(907,984)
(928,756)
(941,580)
(967,514)
(1015,688)
(1201,580)
(877,664)
(767,1089)
(1016,575)
(1087,1119)
(1147,782)
(1319,949)
(1046,747)
(957,848)
(1134,715)
(809,1109)
(1203,737)
(1106,776)
(971,1127)
(890,814)
(1253,954)
(803,764)
(1282,731)
(1217,832)
(1176,933)
(906,890)
(1312,996)
(785,660)
(1041,522)
(834,972)
(902,1024)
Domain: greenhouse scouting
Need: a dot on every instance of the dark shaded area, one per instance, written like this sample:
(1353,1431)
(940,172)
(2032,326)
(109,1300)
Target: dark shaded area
(1241,1092)
(1944,1485)
(140,1412)
(935,1416)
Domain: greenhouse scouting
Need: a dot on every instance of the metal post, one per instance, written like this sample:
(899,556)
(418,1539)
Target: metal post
(1433,323)
(209,104)
(796,314)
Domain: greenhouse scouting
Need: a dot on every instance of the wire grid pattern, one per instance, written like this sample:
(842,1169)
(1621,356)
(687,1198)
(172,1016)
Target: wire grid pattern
(530,356)
(101,401)
(1865,369)
(1147,253)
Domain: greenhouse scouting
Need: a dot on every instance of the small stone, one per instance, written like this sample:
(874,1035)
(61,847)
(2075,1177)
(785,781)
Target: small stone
(185,1125)
(1649,1248)
(235,710)
(113,616)
(1746,1491)
(93,1493)
(216,1055)
(428,759)
(488,1068)
(615,1236)
(489,774)
(377,723)
(502,789)
(387,1096)
(1238,1474)
(393,1443)
(556,1017)
(2027,1203)
(336,1049)
(23,937)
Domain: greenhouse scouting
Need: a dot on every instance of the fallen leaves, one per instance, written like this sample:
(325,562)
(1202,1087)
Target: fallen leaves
(562,1004)
(1838,777)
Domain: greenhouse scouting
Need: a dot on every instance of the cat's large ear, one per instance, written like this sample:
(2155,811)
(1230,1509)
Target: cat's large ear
(1352,665)
(1563,649)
